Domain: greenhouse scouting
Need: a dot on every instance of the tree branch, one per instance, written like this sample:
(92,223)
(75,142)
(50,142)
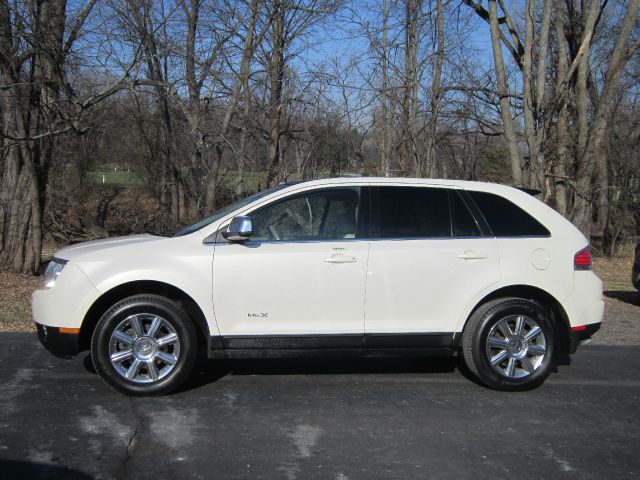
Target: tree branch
(75,31)
(516,53)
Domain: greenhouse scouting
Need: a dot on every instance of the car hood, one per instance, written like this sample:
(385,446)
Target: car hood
(73,251)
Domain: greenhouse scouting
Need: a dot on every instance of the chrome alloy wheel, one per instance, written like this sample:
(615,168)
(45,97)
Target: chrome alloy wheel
(516,346)
(144,348)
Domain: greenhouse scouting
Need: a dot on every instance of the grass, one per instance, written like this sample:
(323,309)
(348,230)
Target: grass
(120,177)
(252,181)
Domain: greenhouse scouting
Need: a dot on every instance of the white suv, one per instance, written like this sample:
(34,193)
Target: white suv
(366,266)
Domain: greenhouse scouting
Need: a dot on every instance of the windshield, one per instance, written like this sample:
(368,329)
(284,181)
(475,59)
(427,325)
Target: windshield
(226,210)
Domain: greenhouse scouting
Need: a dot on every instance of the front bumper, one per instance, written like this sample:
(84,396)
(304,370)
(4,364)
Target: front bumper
(580,334)
(66,304)
(63,344)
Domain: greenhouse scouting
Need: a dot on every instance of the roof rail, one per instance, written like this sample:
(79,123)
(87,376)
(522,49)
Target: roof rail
(291,182)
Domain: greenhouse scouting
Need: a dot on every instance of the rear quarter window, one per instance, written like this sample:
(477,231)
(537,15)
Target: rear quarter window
(505,218)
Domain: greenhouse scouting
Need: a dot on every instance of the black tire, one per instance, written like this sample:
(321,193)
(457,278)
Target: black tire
(144,309)
(478,353)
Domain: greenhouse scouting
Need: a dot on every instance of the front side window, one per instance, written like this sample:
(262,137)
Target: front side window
(412,212)
(226,210)
(328,214)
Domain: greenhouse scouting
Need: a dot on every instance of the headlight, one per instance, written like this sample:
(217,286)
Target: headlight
(53,271)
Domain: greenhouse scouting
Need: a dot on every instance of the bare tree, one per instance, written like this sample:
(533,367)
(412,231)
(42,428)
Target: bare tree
(503,91)
(252,40)
(436,95)
(408,157)
(595,144)
(546,108)
(148,26)
(38,103)
(289,21)
(385,149)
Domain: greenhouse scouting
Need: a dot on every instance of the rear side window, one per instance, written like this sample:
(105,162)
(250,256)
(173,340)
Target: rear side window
(505,218)
(412,212)
(464,225)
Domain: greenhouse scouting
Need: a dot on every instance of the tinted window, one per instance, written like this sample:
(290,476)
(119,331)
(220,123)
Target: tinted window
(464,225)
(228,209)
(318,215)
(407,212)
(505,218)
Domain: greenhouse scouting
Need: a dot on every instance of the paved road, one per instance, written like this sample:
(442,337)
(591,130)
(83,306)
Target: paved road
(407,418)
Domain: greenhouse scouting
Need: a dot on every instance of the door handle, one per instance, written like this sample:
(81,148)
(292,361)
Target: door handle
(340,258)
(472,255)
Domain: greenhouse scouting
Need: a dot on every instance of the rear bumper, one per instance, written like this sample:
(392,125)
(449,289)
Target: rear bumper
(60,344)
(585,305)
(580,334)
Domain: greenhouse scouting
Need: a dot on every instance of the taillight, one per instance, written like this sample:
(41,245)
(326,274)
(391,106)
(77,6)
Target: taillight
(582,259)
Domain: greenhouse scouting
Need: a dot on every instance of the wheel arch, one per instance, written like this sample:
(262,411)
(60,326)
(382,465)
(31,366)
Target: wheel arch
(110,297)
(558,314)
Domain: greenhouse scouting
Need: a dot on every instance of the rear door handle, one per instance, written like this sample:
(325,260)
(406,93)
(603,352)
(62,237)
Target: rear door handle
(340,258)
(472,255)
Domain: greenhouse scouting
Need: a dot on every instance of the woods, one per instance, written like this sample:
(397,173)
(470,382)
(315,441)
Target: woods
(207,101)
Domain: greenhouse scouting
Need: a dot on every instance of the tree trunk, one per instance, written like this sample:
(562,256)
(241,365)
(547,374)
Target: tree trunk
(244,79)
(533,90)
(242,148)
(562,133)
(505,105)
(436,79)
(538,162)
(385,149)
(407,155)
(602,194)
(276,79)
(20,211)
(25,110)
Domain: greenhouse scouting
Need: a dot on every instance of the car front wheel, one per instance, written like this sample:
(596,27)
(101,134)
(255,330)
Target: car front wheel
(510,344)
(144,345)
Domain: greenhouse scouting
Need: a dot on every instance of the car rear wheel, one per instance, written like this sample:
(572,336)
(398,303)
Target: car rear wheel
(144,345)
(510,344)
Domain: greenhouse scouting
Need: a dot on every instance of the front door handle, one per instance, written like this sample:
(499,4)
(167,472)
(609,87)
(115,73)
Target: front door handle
(340,258)
(472,255)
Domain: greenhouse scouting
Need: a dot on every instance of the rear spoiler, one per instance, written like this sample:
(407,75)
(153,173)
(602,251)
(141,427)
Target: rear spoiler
(531,191)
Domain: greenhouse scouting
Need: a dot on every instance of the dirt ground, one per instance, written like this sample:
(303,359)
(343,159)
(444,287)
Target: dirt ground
(622,310)
(622,302)
(15,301)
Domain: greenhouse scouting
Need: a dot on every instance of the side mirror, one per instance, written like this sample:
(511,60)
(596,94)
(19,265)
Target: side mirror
(239,230)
